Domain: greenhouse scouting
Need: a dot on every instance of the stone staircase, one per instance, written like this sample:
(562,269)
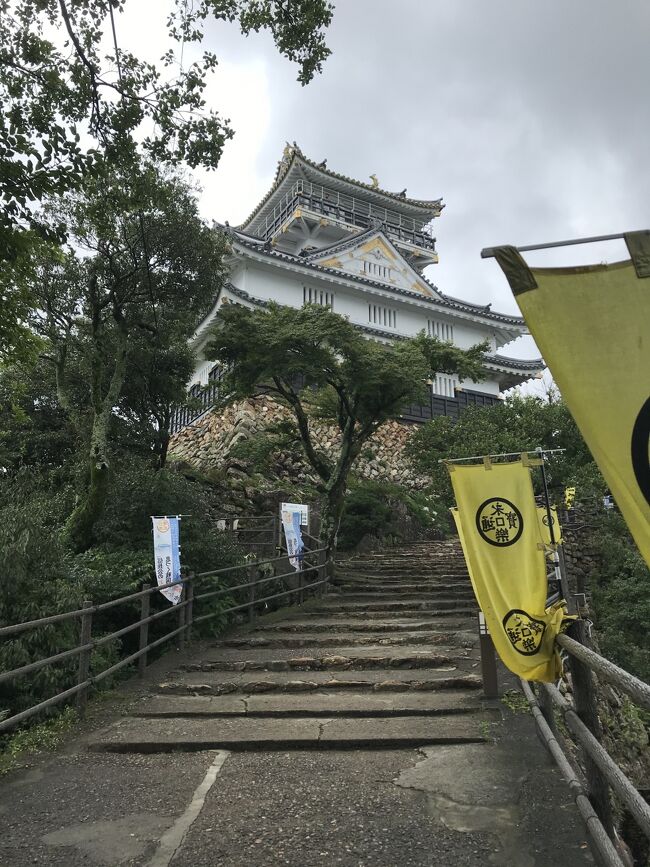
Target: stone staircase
(388,658)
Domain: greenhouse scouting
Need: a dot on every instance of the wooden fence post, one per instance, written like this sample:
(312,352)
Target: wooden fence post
(252,580)
(488,660)
(329,571)
(301,582)
(322,571)
(85,637)
(181,623)
(584,696)
(546,707)
(145,608)
(189,608)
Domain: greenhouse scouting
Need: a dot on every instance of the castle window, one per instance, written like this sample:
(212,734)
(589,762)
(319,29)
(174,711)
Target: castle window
(372,269)
(441,330)
(379,315)
(445,385)
(317,296)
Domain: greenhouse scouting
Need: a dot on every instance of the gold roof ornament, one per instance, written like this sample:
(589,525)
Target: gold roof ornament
(375,181)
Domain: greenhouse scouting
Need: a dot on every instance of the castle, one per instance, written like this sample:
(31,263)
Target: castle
(319,237)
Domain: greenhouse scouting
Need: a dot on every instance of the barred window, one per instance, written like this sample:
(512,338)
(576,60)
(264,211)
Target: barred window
(372,269)
(441,330)
(317,296)
(383,316)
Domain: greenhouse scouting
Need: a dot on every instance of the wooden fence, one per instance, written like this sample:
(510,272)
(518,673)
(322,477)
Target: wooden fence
(314,575)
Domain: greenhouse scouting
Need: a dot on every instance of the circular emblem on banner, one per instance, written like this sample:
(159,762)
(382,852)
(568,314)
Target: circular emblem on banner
(499,522)
(545,520)
(524,632)
(162,526)
(640,448)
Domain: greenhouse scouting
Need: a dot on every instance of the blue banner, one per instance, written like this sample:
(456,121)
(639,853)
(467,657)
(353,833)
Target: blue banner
(167,558)
(293,536)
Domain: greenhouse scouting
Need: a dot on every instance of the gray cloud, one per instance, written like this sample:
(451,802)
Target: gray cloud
(530,119)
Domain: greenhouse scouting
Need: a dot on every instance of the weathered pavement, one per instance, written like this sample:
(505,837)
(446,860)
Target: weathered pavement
(351,731)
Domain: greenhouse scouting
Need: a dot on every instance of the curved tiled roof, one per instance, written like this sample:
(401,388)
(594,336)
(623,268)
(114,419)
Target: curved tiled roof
(517,364)
(440,299)
(284,166)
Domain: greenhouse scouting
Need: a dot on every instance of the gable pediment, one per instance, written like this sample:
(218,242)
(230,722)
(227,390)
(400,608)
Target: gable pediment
(374,258)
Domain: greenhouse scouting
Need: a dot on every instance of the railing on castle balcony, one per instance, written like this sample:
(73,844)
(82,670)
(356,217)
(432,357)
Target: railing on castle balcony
(203,398)
(348,209)
(438,405)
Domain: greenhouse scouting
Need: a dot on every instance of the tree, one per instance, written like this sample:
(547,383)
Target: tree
(516,425)
(144,268)
(155,387)
(356,383)
(72,106)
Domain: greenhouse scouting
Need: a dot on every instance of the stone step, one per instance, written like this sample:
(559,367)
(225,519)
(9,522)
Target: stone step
(328,662)
(319,704)
(350,625)
(406,564)
(137,735)
(262,653)
(350,639)
(410,563)
(434,579)
(340,602)
(388,598)
(363,612)
(366,589)
(227,683)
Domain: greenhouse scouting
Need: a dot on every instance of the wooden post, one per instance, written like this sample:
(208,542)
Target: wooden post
(274,535)
(584,696)
(189,608)
(546,706)
(145,607)
(180,636)
(252,578)
(322,571)
(85,637)
(301,582)
(329,571)
(488,660)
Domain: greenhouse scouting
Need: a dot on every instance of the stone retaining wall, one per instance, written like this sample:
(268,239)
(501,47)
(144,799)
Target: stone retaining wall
(207,445)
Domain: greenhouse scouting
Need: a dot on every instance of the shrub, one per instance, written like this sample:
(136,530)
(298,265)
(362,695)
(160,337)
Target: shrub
(385,511)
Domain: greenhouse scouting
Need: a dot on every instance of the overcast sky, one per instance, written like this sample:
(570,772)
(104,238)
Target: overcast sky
(531,119)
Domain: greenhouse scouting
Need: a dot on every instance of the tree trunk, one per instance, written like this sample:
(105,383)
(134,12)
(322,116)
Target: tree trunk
(334,500)
(163,447)
(80,524)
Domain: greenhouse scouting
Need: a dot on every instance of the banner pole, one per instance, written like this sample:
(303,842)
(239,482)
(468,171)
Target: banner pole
(488,252)
(562,585)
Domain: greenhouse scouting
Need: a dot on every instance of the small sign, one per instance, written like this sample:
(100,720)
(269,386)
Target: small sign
(297,507)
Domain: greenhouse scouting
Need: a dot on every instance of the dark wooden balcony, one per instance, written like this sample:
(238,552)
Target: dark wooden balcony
(345,209)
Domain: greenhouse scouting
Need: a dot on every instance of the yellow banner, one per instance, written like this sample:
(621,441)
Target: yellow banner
(591,325)
(545,533)
(500,533)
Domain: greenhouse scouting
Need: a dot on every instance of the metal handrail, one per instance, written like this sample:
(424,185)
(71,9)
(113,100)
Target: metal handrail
(184,611)
(582,722)
(637,690)
(606,850)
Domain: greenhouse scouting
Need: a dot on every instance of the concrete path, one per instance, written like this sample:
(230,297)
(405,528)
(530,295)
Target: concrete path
(351,730)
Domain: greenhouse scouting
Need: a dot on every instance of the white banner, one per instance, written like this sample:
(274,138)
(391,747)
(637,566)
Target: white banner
(167,555)
(293,536)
